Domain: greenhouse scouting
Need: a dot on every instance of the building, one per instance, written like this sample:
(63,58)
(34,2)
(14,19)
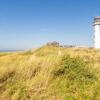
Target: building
(54,43)
(96,25)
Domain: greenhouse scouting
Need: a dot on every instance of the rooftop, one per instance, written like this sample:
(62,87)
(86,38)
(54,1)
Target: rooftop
(97,20)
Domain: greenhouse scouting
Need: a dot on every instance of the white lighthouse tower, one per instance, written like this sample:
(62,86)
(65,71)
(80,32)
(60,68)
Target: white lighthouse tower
(96,24)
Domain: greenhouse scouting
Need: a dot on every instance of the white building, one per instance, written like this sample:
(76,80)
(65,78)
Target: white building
(96,25)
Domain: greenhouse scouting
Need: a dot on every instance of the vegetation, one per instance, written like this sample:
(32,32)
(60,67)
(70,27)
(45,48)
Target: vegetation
(50,73)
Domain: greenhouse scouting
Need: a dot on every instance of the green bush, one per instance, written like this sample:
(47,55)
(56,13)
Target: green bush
(75,69)
(74,78)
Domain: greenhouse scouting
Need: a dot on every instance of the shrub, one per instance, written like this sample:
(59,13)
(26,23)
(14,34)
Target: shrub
(75,69)
(74,77)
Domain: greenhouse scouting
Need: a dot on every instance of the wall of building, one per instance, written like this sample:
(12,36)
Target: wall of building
(97,36)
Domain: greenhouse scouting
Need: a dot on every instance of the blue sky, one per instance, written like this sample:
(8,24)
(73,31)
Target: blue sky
(31,23)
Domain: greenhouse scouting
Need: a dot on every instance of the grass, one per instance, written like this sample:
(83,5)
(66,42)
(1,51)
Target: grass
(50,73)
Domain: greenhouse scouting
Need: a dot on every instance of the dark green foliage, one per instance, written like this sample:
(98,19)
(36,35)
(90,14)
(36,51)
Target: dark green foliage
(73,76)
(74,69)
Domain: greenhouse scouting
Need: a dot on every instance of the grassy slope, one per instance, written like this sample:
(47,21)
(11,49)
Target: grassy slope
(50,73)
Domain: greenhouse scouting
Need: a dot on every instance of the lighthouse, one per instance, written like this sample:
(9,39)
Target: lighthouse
(96,25)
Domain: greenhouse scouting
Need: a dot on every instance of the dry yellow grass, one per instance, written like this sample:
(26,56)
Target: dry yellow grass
(29,75)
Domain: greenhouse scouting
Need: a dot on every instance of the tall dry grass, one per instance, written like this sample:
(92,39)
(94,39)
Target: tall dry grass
(50,73)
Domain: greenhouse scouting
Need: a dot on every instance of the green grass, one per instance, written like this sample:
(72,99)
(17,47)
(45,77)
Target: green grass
(50,73)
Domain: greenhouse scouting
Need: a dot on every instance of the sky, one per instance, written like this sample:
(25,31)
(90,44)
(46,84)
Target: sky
(26,24)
